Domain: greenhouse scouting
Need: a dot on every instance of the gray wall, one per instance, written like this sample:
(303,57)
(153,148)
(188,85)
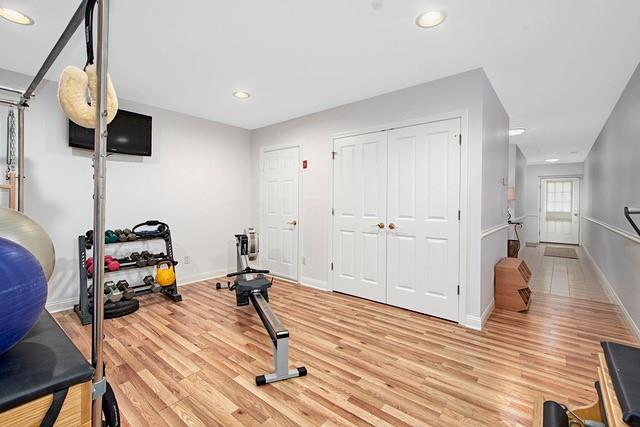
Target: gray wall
(313,133)
(611,182)
(531,199)
(495,173)
(196,180)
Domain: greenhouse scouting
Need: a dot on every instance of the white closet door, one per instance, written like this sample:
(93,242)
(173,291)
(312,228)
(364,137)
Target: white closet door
(423,203)
(279,241)
(359,241)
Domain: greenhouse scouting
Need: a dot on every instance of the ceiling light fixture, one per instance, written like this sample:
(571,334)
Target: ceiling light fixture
(15,16)
(552,160)
(241,94)
(431,19)
(516,131)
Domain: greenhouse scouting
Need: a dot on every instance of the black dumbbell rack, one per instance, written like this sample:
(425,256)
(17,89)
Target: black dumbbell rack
(83,308)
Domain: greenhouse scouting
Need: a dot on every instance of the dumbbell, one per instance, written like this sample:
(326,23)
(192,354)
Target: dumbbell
(155,258)
(111,264)
(110,236)
(149,280)
(130,234)
(88,237)
(142,259)
(111,292)
(127,292)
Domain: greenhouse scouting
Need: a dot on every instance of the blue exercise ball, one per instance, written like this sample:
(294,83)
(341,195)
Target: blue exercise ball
(23,293)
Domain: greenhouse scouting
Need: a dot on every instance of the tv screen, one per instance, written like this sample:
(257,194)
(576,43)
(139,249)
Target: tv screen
(129,133)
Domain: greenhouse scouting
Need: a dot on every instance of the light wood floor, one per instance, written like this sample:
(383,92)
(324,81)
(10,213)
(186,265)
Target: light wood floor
(575,278)
(194,363)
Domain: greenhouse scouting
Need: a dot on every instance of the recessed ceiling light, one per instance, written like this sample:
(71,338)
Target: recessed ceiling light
(15,16)
(516,131)
(241,94)
(431,19)
(552,160)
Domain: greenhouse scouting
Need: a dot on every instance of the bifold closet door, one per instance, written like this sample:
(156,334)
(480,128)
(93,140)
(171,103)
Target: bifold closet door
(423,203)
(359,220)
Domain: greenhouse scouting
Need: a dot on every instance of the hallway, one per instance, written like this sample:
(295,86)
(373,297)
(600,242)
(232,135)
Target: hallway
(576,278)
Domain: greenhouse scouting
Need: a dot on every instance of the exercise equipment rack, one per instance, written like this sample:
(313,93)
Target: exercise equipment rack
(82,309)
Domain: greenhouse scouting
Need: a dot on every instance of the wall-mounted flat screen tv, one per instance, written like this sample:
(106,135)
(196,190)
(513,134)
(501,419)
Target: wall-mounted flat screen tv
(129,133)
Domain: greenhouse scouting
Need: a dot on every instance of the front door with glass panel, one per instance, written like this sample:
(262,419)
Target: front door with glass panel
(560,210)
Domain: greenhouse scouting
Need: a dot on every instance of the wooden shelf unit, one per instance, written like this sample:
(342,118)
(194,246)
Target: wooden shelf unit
(512,284)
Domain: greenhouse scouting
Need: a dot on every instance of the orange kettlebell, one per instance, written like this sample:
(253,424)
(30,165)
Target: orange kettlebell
(165,275)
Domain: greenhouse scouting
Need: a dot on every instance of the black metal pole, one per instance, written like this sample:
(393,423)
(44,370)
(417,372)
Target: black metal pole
(68,32)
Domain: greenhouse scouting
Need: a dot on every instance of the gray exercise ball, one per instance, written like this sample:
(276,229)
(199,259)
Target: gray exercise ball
(24,231)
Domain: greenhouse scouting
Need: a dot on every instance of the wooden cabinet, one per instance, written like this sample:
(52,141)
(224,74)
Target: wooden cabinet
(76,410)
(512,284)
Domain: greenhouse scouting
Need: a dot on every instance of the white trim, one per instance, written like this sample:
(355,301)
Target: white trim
(315,283)
(477,323)
(494,229)
(69,303)
(300,218)
(189,280)
(616,230)
(612,293)
(463,115)
(61,305)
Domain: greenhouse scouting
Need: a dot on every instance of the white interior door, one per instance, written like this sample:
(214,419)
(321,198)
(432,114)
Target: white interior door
(360,203)
(423,203)
(560,210)
(280,189)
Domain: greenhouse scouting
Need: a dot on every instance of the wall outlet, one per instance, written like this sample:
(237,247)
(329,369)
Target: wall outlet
(187,259)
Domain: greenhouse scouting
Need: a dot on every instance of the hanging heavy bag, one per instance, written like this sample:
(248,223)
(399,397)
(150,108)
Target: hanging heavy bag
(78,88)
(165,275)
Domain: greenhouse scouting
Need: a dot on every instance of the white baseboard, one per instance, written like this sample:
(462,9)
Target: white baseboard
(68,303)
(203,276)
(612,293)
(477,323)
(314,283)
(61,305)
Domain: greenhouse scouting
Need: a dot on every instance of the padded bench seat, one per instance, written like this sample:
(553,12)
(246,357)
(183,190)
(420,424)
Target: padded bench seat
(44,362)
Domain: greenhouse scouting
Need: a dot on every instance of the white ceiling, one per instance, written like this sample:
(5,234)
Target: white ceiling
(558,65)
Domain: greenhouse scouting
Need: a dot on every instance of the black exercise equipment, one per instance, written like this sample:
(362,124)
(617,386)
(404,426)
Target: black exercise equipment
(127,292)
(111,292)
(251,285)
(160,231)
(623,367)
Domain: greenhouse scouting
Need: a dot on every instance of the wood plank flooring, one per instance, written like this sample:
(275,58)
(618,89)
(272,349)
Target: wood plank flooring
(194,363)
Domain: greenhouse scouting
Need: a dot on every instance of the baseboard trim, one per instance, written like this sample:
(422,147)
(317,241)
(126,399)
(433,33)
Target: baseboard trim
(612,293)
(315,283)
(477,323)
(189,280)
(61,305)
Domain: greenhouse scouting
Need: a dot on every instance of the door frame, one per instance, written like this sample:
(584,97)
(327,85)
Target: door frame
(463,115)
(580,180)
(261,191)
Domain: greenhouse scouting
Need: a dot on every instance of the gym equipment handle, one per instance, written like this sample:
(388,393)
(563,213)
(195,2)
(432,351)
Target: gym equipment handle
(633,211)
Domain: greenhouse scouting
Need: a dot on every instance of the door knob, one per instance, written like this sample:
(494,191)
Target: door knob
(380,225)
(294,222)
(392,226)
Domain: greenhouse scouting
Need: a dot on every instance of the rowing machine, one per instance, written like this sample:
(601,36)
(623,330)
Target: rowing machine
(251,285)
